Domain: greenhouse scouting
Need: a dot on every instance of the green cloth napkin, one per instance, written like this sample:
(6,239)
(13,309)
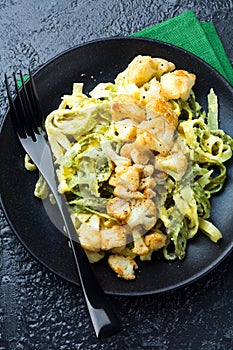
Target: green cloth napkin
(200,38)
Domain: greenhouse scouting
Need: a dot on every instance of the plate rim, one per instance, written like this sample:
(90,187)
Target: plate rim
(130,38)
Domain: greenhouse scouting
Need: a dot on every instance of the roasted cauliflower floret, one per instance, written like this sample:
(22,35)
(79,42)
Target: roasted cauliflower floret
(138,154)
(120,169)
(148,170)
(131,177)
(155,240)
(177,84)
(113,180)
(113,237)
(119,208)
(150,92)
(161,108)
(142,69)
(143,213)
(89,234)
(156,134)
(127,107)
(124,192)
(163,66)
(123,266)
(174,164)
(147,182)
(126,177)
(93,238)
(125,130)
(140,247)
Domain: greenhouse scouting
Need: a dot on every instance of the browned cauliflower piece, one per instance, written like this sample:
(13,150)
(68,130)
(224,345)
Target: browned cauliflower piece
(148,170)
(161,108)
(127,107)
(143,213)
(162,66)
(151,94)
(119,208)
(149,193)
(113,180)
(126,180)
(130,178)
(125,130)
(140,247)
(93,239)
(124,192)
(156,135)
(142,69)
(123,266)
(138,154)
(89,237)
(146,183)
(155,240)
(113,237)
(177,84)
(174,164)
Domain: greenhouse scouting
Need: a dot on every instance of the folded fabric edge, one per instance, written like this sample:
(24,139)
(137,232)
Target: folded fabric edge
(220,52)
(188,20)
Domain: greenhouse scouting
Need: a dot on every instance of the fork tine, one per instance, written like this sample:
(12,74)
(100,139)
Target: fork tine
(13,110)
(34,94)
(20,107)
(27,109)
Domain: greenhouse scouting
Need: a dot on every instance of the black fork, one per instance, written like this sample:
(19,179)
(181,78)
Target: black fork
(27,119)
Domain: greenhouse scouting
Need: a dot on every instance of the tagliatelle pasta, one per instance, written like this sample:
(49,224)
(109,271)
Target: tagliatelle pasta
(138,160)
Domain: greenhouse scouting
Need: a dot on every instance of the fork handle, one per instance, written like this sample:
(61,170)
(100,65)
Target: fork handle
(104,320)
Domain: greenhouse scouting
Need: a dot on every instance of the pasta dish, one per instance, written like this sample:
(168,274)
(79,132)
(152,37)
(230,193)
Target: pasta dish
(138,160)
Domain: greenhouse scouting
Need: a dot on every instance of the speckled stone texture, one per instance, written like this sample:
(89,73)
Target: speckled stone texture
(38,310)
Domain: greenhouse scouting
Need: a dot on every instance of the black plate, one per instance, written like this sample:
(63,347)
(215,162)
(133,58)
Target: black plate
(101,61)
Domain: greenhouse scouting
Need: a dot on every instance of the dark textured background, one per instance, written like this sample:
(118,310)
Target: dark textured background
(38,310)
